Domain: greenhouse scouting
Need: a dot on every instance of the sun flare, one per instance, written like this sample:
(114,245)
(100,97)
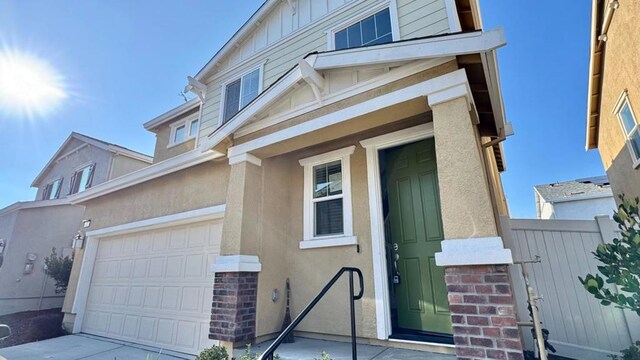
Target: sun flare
(29,87)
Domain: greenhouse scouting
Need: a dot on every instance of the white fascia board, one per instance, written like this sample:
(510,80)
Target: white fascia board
(172,114)
(492,76)
(263,100)
(187,217)
(154,171)
(422,89)
(451,45)
(21,205)
(130,153)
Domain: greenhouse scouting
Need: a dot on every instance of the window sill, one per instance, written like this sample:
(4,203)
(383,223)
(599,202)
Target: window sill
(328,242)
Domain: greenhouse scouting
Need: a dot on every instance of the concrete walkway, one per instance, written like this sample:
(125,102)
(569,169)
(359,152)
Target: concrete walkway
(308,349)
(85,347)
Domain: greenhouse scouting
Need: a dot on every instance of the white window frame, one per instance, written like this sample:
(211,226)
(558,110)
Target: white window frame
(393,14)
(309,240)
(187,130)
(235,77)
(622,100)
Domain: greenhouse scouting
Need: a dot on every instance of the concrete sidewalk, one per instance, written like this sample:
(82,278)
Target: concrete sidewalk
(310,349)
(86,347)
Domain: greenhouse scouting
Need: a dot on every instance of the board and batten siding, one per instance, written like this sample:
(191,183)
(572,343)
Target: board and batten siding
(579,326)
(291,40)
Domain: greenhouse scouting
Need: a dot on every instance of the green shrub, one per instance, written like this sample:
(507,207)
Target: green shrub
(620,262)
(59,269)
(631,353)
(213,353)
(248,355)
(323,356)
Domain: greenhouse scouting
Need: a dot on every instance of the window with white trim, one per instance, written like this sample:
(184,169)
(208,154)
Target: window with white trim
(183,130)
(373,26)
(52,190)
(373,30)
(630,127)
(240,92)
(327,199)
(82,179)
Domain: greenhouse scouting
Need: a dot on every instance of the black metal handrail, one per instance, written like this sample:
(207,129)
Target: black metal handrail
(268,354)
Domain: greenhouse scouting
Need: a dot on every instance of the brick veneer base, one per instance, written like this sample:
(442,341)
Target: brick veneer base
(483,312)
(233,310)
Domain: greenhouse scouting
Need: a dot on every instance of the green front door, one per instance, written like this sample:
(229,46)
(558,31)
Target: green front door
(416,233)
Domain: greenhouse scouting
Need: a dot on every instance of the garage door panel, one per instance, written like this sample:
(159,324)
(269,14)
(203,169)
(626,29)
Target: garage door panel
(155,287)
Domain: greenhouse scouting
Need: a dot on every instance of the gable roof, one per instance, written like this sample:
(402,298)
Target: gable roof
(579,189)
(172,114)
(430,47)
(469,14)
(101,144)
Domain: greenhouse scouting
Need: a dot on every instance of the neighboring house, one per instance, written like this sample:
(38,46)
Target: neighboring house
(325,134)
(28,230)
(581,199)
(613,113)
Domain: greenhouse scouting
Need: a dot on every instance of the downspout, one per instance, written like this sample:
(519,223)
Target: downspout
(611,8)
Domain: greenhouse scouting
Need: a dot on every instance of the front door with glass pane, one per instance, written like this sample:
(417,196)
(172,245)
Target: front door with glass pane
(415,231)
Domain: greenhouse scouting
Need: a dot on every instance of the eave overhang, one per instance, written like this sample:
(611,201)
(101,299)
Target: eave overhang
(477,42)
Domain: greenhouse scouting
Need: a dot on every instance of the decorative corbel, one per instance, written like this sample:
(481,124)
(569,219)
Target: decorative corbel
(313,78)
(196,87)
(292,5)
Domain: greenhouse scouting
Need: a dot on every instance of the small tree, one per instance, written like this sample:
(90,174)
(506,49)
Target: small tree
(59,269)
(621,262)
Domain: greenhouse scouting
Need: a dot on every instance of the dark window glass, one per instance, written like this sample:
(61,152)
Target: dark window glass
(374,30)
(368,30)
(383,23)
(355,38)
(231,100)
(341,40)
(329,220)
(635,143)
(627,118)
(327,179)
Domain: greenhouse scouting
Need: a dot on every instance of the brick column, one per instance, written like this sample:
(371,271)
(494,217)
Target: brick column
(482,309)
(233,310)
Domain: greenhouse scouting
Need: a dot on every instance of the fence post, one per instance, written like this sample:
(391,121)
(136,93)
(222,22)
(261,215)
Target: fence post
(608,231)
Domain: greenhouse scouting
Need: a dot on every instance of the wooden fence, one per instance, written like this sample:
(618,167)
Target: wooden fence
(579,326)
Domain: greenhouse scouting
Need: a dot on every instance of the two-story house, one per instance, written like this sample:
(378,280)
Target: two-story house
(580,199)
(30,229)
(325,134)
(613,104)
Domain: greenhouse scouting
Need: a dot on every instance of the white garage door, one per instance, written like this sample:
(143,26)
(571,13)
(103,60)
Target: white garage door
(155,287)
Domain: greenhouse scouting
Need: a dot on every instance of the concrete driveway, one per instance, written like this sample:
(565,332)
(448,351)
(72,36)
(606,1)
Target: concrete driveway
(75,347)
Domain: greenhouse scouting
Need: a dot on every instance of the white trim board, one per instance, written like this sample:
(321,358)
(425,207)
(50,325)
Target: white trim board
(381,285)
(425,88)
(390,76)
(177,163)
(93,238)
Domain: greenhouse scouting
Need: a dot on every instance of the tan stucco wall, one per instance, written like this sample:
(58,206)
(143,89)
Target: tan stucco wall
(465,198)
(122,165)
(194,188)
(35,230)
(163,135)
(621,69)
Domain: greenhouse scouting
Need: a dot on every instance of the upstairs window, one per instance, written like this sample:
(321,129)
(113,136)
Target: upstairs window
(52,190)
(183,130)
(82,179)
(240,92)
(630,127)
(372,30)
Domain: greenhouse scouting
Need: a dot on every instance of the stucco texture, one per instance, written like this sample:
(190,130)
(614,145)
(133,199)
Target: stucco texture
(34,230)
(621,69)
(163,134)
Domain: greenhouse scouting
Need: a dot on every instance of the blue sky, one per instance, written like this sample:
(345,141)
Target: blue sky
(124,62)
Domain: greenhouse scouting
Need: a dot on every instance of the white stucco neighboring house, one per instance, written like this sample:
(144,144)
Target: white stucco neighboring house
(29,229)
(580,199)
